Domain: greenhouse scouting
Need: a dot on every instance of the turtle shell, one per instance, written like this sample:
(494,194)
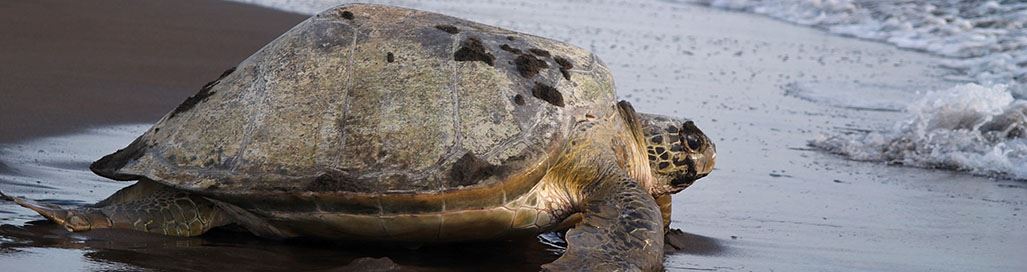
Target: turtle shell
(374,99)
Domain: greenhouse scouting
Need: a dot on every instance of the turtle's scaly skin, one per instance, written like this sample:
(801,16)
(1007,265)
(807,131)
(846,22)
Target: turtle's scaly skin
(370,122)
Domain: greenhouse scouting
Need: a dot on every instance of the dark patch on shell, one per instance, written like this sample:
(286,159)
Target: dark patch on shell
(510,38)
(566,74)
(110,164)
(529,66)
(548,93)
(347,15)
(334,182)
(448,29)
(664,165)
(539,52)
(519,99)
(565,66)
(200,96)
(469,170)
(506,47)
(472,49)
(390,57)
(564,63)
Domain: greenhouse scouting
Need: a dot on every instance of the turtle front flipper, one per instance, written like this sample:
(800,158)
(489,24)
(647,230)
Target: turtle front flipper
(621,230)
(145,206)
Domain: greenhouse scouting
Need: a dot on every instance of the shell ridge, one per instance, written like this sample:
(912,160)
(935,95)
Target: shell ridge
(407,15)
(454,78)
(324,127)
(348,87)
(256,113)
(591,66)
(592,61)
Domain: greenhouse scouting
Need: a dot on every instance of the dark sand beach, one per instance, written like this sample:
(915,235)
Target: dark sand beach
(70,65)
(90,77)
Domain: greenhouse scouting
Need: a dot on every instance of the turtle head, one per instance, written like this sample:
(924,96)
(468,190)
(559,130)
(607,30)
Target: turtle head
(679,153)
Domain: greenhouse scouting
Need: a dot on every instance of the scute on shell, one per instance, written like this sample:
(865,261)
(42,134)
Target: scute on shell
(374,99)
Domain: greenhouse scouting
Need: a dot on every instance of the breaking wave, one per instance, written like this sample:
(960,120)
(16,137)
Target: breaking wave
(980,129)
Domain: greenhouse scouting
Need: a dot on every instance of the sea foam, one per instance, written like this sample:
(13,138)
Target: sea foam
(980,129)
(976,127)
(984,41)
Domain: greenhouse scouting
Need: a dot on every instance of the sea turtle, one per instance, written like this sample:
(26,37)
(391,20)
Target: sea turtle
(371,122)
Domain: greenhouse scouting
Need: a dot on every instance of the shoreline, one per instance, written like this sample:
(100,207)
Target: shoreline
(772,204)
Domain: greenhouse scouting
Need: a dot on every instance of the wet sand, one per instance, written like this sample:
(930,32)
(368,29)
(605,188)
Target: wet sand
(70,65)
(773,204)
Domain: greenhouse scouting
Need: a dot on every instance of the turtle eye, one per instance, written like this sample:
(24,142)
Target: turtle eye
(693,142)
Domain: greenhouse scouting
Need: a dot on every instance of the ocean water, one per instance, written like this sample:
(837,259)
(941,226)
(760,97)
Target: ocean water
(969,127)
(984,41)
(57,168)
(977,125)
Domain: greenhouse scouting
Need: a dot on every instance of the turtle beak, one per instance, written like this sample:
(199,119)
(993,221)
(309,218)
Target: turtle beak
(705,164)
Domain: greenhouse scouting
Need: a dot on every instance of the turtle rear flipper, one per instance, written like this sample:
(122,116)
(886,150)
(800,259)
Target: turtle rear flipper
(145,206)
(621,230)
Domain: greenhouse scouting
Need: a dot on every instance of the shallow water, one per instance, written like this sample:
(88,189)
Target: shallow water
(40,243)
(980,41)
(985,39)
(761,88)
